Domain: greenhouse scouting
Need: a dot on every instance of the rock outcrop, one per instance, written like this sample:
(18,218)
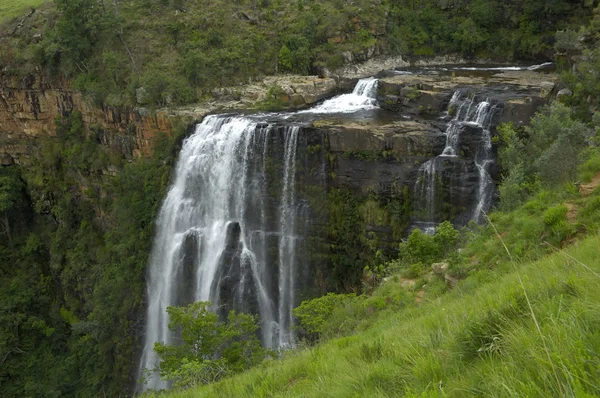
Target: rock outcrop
(298,92)
(428,94)
(377,158)
(30,105)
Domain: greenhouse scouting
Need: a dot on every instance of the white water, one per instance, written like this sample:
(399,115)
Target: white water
(468,111)
(220,184)
(216,227)
(483,161)
(482,68)
(363,97)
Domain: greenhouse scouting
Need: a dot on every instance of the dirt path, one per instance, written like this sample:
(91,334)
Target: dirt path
(572,212)
(586,189)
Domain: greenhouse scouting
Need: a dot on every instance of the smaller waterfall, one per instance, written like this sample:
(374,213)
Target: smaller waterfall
(363,97)
(469,113)
(483,161)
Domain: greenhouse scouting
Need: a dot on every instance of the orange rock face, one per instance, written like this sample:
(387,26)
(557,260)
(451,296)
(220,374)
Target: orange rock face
(29,106)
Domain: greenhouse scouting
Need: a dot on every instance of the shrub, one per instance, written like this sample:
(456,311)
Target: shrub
(420,250)
(555,215)
(591,167)
(312,315)
(209,349)
(273,100)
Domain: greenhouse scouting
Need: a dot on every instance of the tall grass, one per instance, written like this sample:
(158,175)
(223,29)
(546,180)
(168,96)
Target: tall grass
(13,8)
(480,341)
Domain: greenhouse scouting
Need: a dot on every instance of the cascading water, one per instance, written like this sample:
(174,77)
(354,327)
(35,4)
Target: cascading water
(362,98)
(483,160)
(216,228)
(230,230)
(468,112)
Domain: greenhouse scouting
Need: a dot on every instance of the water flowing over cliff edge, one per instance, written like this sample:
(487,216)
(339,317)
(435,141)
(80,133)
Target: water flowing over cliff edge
(238,222)
(223,216)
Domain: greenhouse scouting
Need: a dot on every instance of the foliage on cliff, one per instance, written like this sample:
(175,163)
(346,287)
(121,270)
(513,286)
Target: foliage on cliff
(73,254)
(178,50)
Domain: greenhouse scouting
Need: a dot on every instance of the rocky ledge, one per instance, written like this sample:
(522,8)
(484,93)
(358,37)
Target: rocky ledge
(293,90)
(370,157)
(428,94)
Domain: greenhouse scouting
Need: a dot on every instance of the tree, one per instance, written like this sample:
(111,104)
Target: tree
(10,186)
(546,153)
(285,60)
(79,29)
(207,348)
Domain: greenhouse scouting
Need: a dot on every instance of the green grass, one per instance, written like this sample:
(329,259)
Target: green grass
(480,339)
(13,8)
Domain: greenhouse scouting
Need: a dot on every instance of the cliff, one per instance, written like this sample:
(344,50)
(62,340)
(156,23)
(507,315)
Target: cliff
(29,106)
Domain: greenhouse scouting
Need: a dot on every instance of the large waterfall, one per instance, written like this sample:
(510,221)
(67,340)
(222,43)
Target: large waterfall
(218,226)
(232,229)
(441,176)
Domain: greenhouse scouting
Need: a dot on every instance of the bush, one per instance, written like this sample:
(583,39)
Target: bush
(591,167)
(421,250)
(165,89)
(544,154)
(209,348)
(313,315)
(273,100)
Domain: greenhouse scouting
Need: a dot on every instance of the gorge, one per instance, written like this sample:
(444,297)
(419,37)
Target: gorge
(247,222)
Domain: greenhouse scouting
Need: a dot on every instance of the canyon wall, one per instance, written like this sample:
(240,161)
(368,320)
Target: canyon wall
(29,106)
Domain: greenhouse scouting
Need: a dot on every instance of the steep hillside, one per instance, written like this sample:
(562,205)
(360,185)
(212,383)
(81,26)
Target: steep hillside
(526,329)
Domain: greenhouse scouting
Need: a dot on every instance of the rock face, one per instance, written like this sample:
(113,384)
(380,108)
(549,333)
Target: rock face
(427,94)
(298,92)
(372,158)
(29,106)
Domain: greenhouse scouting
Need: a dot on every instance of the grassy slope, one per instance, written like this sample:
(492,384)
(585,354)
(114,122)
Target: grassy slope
(473,341)
(12,8)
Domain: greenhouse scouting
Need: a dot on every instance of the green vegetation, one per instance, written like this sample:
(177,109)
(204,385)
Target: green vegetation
(209,349)
(494,338)
(76,224)
(74,245)
(178,50)
(510,306)
(13,8)
(510,311)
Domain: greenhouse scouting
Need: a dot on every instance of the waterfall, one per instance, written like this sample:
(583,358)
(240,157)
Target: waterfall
(483,160)
(231,227)
(218,226)
(468,112)
(363,97)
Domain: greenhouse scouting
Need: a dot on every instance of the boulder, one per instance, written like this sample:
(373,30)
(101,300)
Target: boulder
(564,93)
(440,268)
(546,88)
